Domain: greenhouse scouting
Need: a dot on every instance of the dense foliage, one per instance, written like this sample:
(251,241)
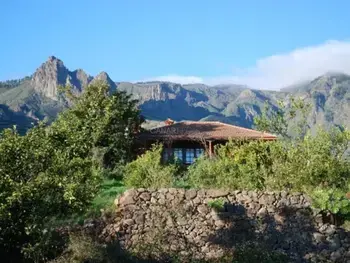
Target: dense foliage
(300,165)
(55,170)
(236,165)
(149,171)
(315,162)
(106,123)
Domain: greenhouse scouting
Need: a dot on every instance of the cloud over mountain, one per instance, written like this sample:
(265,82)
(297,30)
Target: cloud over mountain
(277,71)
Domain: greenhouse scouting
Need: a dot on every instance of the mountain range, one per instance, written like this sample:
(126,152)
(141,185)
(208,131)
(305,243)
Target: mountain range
(27,100)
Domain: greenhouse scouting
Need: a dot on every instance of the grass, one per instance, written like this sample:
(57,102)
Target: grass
(110,189)
(217,204)
(104,200)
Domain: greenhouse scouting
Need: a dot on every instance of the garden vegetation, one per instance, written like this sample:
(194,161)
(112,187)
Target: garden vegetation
(85,157)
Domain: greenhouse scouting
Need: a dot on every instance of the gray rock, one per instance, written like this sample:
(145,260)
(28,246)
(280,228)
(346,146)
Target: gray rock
(217,193)
(129,222)
(262,212)
(191,194)
(163,190)
(267,199)
(128,198)
(197,201)
(328,229)
(334,243)
(181,221)
(336,255)
(145,196)
(139,218)
(170,196)
(161,201)
(172,190)
(153,200)
(318,237)
(203,209)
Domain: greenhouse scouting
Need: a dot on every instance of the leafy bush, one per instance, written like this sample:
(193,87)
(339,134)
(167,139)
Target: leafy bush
(54,171)
(217,204)
(333,200)
(315,160)
(148,170)
(236,165)
(38,180)
(82,248)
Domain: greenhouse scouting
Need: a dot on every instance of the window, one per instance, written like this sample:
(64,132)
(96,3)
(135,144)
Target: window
(166,154)
(189,156)
(178,154)
(182,155)
(199,152)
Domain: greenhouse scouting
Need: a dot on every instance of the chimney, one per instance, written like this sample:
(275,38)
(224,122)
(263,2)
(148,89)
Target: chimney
(168,122)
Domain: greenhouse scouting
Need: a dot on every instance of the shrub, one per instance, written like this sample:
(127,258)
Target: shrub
(294,165)
(82,248)
(330,200)
(217,204)
(38,180)
(314,161)
(236,165)
(148,171)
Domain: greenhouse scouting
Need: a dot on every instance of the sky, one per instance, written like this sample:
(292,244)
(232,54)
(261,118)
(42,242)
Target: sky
(264,44)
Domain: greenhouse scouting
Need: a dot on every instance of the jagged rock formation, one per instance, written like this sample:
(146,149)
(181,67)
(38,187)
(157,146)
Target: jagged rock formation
(103,76)
(53,73)
(37,96)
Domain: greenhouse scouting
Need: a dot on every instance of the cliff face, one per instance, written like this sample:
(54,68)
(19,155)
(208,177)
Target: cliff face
(53,73)
(37,96)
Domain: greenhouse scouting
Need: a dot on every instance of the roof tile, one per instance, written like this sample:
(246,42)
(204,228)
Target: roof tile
(194,130)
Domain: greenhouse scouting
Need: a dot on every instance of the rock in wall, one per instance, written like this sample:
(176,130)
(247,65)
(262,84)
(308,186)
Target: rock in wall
(207,224)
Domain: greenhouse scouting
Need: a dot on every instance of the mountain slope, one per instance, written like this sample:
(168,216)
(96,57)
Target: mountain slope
(37,97)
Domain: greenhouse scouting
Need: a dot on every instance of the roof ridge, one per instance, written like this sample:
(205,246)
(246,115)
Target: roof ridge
(243,128)
(264,134)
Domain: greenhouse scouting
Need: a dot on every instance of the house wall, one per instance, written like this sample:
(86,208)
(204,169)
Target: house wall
(185,144)
(186,148)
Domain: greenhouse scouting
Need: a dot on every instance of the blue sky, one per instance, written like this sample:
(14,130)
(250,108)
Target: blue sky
(181,40)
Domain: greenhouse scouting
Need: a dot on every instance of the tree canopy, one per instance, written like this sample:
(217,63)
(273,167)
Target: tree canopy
(55,170)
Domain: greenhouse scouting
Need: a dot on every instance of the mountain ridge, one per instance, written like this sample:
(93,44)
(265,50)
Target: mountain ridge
(37,97)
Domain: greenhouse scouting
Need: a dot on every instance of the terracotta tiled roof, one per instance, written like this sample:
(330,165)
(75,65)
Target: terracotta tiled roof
(194,130)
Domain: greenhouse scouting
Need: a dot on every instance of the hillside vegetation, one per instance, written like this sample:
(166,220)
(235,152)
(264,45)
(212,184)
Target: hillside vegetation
(37,97)
(69,168)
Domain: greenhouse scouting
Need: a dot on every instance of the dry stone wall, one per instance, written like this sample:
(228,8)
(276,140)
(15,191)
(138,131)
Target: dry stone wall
(209,224)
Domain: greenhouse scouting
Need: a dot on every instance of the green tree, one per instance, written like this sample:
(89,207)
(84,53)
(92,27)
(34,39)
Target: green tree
(102,121)
(288,121)
(52,171)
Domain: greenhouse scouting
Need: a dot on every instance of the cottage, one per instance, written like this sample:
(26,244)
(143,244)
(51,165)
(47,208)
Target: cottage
(188,140)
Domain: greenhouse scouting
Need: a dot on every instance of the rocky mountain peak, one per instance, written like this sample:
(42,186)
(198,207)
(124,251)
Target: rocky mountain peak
(48,76)
(103,76)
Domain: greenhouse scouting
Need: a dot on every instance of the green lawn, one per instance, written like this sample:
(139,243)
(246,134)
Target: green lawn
(104,200)
(110,189)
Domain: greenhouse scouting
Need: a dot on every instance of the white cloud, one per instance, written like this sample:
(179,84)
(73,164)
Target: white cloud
(177,79)
(282,70)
